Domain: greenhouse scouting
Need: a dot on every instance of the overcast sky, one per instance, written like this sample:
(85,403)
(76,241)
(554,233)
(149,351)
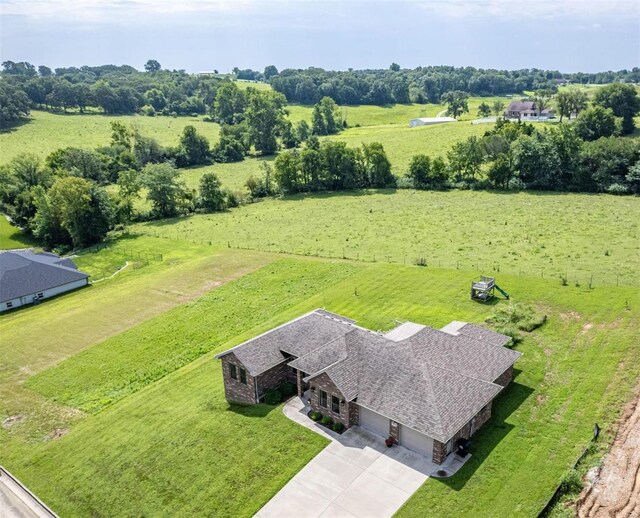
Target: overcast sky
(202,35)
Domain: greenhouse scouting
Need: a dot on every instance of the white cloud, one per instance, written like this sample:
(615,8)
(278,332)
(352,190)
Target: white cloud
(533,9)
(96,10)
(131,10)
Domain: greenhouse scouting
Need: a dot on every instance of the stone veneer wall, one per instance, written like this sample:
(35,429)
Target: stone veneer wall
(323,382)
(234,390)
(505,378)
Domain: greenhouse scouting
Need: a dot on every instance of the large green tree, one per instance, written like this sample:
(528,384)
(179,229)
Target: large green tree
(597,122)
(622,100)
(14,104)
(195,148)
(212,197)
(457,103)
(263,116)
(75,206)
(166,191)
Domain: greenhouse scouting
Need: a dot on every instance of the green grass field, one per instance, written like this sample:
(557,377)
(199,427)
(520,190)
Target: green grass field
(535,234)
(45,132)
(175,444)
(11,237)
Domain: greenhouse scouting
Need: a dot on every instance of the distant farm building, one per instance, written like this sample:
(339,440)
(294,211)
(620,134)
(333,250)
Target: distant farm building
(526,110)
(27,277)
(427,121)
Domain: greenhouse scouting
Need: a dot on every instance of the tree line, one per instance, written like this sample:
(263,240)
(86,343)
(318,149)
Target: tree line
(113,89)
(424,84)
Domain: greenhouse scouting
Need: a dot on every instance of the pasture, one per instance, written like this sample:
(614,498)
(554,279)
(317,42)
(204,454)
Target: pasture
(535,234)
(45,132)
(159,433)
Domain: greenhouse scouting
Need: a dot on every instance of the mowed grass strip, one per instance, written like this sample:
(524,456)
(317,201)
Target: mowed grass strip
(176,445)
(127,362)
(536,234)
(174,449)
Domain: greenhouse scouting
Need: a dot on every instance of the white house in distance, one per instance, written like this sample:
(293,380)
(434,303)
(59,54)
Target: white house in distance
(526,110)
(27,277)
(428,121)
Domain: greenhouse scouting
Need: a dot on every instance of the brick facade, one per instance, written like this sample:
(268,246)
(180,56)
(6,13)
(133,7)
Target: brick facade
(273,378)
(505,378)
(347,413)
(234,390)
(440,449)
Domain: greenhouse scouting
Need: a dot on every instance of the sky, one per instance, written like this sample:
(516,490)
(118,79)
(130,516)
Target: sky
(203,35)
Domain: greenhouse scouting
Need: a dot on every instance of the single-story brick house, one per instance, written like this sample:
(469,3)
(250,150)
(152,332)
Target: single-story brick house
(27,277)
(526,110)
(424,387)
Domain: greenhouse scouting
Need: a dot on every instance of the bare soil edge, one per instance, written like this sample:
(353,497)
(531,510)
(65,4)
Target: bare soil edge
(614,489)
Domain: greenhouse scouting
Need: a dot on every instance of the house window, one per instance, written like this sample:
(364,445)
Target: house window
(323,399)
(9,304)
(335,404)
(40,295)
(233,370)
(243,376)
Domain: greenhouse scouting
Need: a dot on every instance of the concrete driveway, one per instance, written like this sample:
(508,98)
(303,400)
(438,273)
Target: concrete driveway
(355,476)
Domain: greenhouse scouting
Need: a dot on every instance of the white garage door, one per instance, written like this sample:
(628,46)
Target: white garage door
(373,422)
(416,441)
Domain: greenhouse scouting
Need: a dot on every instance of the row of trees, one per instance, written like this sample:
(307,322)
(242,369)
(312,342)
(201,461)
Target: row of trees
(64,210)
(330,166)
(114,89)
(516,155)
(423,84)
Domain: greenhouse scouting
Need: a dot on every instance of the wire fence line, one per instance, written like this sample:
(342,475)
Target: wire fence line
(565,276)
(134,259)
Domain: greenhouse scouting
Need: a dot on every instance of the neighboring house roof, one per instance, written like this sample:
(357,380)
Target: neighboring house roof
(524,107)
(521,106)
(433,381)
(25,273)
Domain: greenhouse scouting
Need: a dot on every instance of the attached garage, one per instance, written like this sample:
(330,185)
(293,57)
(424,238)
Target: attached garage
(374,422)
(416,441)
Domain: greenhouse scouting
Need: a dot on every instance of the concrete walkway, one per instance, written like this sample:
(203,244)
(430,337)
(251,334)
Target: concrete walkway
(355,476)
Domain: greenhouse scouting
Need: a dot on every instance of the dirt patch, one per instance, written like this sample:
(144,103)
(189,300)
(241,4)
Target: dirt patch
(56,434)
(570,315)
(614,490)
(12,420)
(586,327)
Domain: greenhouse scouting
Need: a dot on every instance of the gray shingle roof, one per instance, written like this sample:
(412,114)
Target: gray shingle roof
(296,338)
(25,273)
(432,381)
(484,335)
(461,353)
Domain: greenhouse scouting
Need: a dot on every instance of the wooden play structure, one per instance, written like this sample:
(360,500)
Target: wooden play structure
(483,289)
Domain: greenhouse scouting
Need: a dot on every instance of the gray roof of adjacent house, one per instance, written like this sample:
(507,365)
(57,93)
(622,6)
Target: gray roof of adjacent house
(431,380)
(24,273)
(524,106)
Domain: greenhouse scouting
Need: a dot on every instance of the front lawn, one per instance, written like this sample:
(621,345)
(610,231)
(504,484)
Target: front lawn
(175,446)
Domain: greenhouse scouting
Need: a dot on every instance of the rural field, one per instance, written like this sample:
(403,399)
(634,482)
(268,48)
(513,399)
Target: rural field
(111,400)
(128,414)
(45,132)
(533,234)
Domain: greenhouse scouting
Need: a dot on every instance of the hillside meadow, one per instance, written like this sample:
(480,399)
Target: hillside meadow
(585,238)
(45,132)
(139,431)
